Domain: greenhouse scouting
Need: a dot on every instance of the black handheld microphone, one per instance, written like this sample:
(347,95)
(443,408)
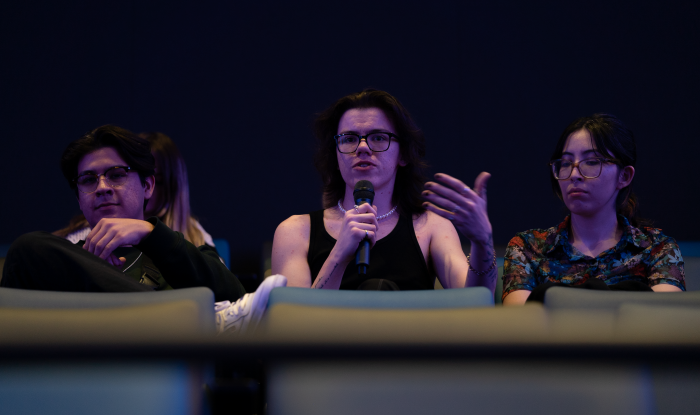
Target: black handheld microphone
(363,193)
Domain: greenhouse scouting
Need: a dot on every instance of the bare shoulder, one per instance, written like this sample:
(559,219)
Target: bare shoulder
(429,222)
(294,227)
(289,249)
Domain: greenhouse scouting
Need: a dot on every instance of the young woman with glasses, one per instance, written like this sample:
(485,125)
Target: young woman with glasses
(600,245)
(370,136)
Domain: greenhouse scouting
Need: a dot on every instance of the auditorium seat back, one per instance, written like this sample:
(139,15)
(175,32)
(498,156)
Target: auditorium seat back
(425,299)
(562,298)
(202,297)
(692,272)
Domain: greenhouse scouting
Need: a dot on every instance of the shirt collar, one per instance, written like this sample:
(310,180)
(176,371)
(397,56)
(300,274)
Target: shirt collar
(630,235)
(633,235)
(561,237)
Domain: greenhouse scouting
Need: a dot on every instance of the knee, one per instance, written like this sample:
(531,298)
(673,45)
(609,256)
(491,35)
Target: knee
(33,243)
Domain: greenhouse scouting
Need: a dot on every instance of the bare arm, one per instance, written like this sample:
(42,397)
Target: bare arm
(665,288)
(516,297)
(448,259)
(466,208)
(290,248)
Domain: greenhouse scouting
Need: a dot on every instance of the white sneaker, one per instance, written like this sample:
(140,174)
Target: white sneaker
(245,314)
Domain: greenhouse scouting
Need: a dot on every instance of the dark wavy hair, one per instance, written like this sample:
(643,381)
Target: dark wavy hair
(135,151)
(409,178)
(611,137)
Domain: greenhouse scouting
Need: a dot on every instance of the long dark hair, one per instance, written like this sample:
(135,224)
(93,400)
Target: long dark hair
(409,178)
(610,136)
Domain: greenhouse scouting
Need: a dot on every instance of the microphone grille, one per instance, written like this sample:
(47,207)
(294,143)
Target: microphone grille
(363,190)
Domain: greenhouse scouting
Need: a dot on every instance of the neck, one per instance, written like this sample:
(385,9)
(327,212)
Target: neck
(592,231)
(382,199)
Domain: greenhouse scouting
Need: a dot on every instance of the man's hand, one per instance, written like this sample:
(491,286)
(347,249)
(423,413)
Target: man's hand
(111,233)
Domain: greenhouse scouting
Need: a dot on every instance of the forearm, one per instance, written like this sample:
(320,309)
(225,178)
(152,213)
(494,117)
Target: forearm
(331,274)
(183,265)
(482,271)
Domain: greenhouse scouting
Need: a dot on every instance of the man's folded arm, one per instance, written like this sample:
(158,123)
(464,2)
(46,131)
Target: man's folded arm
(184,265)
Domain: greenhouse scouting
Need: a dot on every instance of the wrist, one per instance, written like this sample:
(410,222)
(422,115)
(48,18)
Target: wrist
(483,245)
(492,265)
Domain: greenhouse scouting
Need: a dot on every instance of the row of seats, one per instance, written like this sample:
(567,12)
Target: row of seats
(83,353)
(581,352)
(415,340)
(408,352)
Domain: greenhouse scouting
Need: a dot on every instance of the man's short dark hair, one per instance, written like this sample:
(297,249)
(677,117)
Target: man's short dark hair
(409,178)
(135,151)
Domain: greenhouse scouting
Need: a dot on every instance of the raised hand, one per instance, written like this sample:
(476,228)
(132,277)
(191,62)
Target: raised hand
(111,233)
(466,208)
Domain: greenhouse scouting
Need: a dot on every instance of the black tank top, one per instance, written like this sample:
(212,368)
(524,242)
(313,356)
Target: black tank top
(396,257)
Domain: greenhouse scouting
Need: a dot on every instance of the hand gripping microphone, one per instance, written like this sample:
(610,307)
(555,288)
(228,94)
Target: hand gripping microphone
(363,193)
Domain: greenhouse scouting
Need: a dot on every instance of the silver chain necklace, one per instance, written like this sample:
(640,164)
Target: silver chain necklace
(378,217)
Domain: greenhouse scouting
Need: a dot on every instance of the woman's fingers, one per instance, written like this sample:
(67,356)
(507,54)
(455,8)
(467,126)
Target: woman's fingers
(363,213)
(480,184)
(466,208)
(448,183)
(448,204)
(444,191)
(364,208)
(453,183)
(442,212)
(363,234)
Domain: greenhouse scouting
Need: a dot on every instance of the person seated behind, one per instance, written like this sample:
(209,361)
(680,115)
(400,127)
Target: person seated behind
(111,171)
(600,244)
(371,136)
(170,201)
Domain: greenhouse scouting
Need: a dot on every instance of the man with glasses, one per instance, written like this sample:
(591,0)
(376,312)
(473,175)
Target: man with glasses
(112,173)
(413,233)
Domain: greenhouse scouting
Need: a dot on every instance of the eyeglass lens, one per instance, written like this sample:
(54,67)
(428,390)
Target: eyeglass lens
(589,168)
(348,143)
(116,176)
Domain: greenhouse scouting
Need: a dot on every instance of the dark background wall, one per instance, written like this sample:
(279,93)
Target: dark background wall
(236,85)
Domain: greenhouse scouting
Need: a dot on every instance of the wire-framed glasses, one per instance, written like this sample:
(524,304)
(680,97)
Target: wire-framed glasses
(589,168)
(348,143)
(116,176)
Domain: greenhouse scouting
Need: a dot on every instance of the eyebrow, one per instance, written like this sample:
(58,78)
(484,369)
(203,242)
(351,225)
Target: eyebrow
(80,173)
(376,130)
(566,153)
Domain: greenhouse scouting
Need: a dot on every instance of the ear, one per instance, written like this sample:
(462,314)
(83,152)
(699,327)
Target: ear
(402,163)
(625,177)
(148,185)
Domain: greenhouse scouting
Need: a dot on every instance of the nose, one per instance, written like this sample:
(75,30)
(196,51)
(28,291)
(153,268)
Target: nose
(102,186)
(363,147)
(576,172)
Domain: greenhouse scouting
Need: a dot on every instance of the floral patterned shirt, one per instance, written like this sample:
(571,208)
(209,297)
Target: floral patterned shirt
(545,255)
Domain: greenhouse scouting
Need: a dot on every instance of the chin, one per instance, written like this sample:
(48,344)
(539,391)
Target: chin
(583,211)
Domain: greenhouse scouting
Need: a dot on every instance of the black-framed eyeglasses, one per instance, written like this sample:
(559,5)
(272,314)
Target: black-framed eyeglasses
(348,143)
(116,176)
(589,168)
